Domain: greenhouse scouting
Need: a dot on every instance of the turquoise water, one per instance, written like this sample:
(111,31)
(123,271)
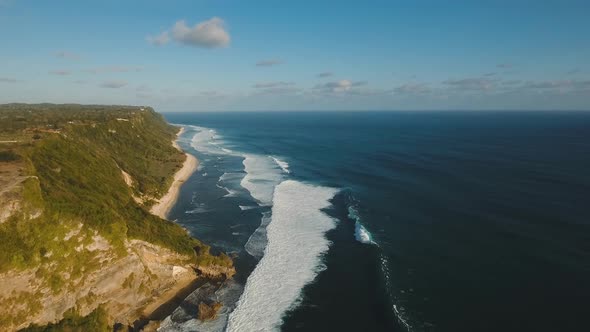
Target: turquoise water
(394,221)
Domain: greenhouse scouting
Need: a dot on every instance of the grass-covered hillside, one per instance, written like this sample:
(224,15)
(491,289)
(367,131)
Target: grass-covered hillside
(61,170)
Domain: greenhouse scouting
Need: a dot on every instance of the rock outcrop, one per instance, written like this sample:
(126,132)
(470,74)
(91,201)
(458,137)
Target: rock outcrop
(124,286)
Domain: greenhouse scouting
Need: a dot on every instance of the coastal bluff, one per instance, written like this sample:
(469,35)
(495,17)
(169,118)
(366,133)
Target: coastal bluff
(79,245)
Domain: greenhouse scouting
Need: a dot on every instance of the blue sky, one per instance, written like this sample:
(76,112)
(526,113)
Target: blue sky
(297,55)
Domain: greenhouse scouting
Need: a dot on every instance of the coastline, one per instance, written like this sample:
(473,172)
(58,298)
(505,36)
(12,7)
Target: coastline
(165,204)
(163,306)
(158,309)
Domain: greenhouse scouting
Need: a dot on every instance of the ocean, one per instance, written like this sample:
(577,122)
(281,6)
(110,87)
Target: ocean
(395,221)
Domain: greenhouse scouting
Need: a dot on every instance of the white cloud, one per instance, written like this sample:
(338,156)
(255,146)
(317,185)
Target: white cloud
(511,82)
(368,92)
(279,90)
(412,88)
(339,86)
(160,39)
(476,83)
(60,72)
(269,62)
(211,33)
(557,84)
(113,84)
(272,84)
(335,86)
(113,69)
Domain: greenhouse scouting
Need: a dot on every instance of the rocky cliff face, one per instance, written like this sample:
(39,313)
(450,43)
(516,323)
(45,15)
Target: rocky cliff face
(73,237)
(124,286)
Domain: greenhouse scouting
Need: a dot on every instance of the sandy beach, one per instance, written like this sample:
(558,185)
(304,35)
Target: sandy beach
(163,206)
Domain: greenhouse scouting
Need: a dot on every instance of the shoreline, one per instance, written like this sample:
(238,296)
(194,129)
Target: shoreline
(166,202)
(165,304)
(160,307)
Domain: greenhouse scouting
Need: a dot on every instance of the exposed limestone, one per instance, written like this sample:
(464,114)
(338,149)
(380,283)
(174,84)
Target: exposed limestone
(8,208)
(127,178)
(148,272)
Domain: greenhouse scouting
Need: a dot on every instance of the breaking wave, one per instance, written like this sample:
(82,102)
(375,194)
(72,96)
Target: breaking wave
(230,192)
(258,240)
(282,164)
(230,176)
(262,176)
(247,207)
(296,243)
(361,234)
(203,141)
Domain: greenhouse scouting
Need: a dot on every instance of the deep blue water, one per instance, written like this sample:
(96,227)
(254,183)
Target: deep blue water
(480,220)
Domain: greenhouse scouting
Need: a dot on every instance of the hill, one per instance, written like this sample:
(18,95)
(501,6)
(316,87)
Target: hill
(77,183)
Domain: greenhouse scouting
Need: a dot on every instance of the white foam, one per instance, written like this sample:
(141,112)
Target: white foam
(400,316)
(247,207)
(197,210)
(258,240)
(203,140)
(361,234)
(296,242)
(282,164)
(230,192)
(228,176)
(262,175)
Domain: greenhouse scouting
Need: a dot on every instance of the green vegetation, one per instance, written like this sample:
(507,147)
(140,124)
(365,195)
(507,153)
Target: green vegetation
(73,156)
(31,301)
(95,321)
(61,176)
(204,258)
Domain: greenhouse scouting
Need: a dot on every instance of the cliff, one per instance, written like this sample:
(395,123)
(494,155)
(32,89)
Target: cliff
(76,235)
